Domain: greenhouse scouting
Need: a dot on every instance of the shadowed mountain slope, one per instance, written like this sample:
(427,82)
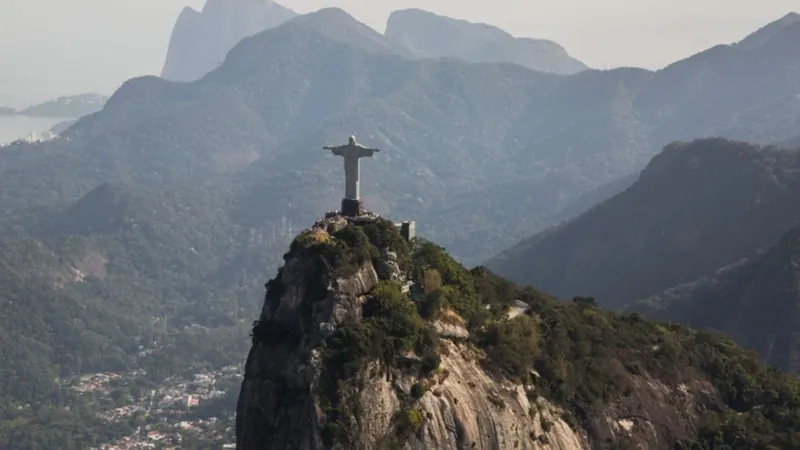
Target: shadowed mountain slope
(696,207)
(755,302)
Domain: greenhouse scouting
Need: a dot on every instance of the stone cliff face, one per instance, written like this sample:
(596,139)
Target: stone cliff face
(463,408)
(462,404)
(278,408)
(200,40)
(467,408)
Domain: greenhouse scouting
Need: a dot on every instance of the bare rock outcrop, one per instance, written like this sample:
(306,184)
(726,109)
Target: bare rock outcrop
(467,408)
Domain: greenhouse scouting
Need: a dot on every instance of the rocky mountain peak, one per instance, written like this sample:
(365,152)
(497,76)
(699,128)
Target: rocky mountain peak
(200,40)
(767,32)
(368,341)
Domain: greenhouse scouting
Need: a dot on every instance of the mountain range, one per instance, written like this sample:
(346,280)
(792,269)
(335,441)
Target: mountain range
(696,207)
(479,154)
(450,125)
(68,106)
(200,40)
(154,220)
(431,35)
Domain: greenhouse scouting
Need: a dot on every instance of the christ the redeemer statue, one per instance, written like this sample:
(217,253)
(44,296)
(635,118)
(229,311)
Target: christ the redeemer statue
(352,153)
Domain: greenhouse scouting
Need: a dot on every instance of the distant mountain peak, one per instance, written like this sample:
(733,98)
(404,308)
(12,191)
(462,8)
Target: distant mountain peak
(769,31)
(490,31)
(211,5)
(331,12)
(337,24)
(789,19)
(332,25)
(432,35)
(332,18)
(200,40)
(68,106)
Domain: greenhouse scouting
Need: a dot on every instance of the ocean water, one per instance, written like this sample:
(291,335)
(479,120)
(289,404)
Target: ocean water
(17,127)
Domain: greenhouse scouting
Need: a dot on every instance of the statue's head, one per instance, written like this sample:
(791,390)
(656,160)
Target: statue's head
(352,140)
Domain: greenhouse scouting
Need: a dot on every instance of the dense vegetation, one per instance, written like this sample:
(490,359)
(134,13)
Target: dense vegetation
(585,360)
(765,289)
(50,425)
(696,207)
(116,283)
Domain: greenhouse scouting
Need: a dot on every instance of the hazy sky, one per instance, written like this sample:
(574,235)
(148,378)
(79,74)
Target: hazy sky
(54,47)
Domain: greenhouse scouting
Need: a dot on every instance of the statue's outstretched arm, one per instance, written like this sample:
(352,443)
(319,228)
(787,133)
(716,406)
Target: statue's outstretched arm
(335,150)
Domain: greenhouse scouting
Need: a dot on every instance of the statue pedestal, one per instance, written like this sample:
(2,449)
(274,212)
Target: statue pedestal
(352,208)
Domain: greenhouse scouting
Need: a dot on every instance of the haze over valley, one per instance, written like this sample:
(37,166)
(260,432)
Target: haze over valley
(593,255)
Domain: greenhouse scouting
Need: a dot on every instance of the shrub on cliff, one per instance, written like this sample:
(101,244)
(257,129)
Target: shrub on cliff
(408,421)
(341,252)
(513,345)
(478,295)
(383,234)
(391,328)
(456,288)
